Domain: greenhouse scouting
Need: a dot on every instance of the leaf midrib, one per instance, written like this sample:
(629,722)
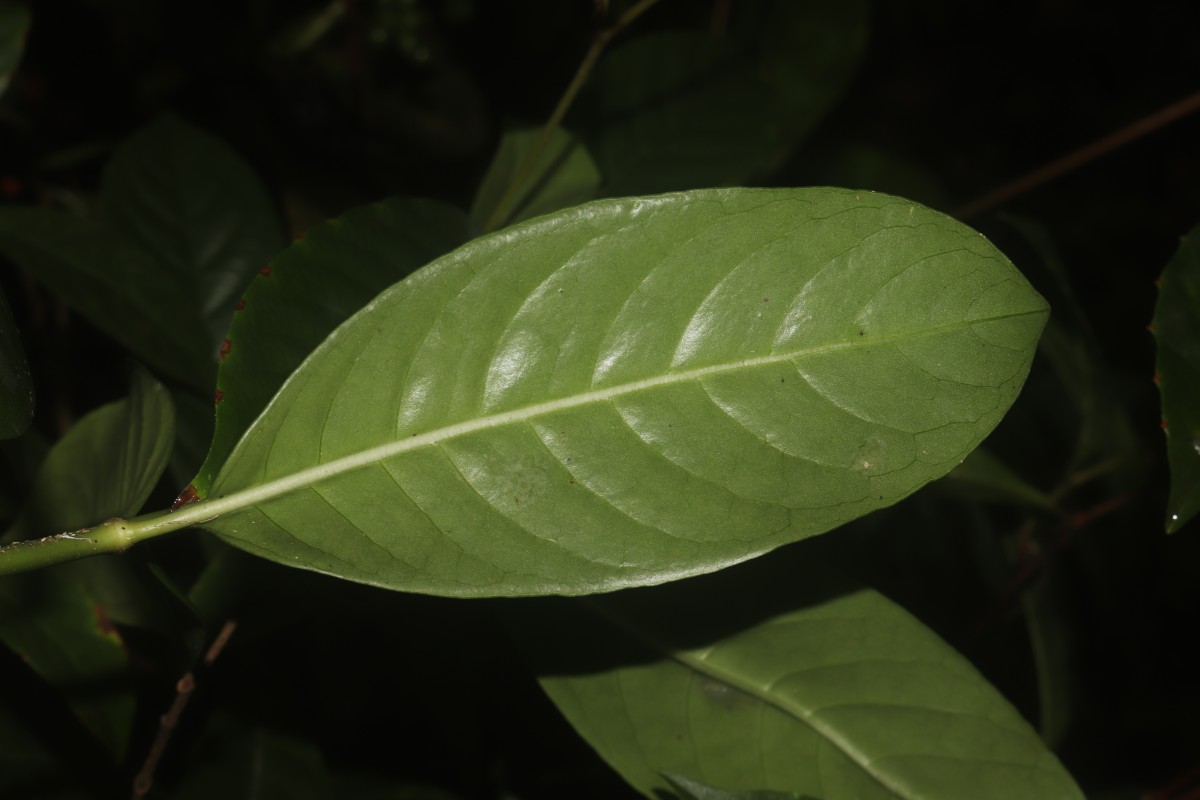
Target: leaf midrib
(210,509)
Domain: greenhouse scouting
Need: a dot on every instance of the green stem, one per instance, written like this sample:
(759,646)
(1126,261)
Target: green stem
(114,536)
(502,210)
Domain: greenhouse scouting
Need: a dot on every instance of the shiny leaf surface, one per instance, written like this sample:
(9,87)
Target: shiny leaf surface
(307,291)
(1177,328)
(634,391)
(844,696)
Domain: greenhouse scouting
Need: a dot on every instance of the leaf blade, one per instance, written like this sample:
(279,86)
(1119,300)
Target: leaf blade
(466,378)
(1177,330)
(841,694)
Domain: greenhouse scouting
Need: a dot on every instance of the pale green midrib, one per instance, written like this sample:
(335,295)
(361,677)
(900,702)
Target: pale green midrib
(694,663)
(697,662)
(209,510)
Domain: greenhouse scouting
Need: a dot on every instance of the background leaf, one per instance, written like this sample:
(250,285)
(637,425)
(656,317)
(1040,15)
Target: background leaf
(687,109)
(1177,328)
(636,367)
(844,695)
(14,27)
(59,620)
(310,289)
(193,204)
(563,176)
(16,388)
(185,225)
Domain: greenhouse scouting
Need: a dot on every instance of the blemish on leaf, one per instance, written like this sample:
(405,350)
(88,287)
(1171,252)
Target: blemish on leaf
(1157,379)
(240,305)
(218,396)
(265,271)
(1163,423)
(226,346)
(766,299)
(188,495)
(103,623)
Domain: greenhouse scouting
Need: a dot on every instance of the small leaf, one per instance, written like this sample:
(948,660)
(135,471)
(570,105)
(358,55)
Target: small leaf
(634,391)
(563,176)
(106,465)
(16,388)
(310,289)
(982,476)
(843,695)
(1177,329)
(14,27)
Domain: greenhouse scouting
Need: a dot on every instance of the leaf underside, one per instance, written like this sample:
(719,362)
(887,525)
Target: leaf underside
(845,696)
(634,391)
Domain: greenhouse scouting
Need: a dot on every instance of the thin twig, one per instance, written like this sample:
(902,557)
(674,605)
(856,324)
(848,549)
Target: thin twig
(169,721)
(500,213)
(1034,559)
(1082,156)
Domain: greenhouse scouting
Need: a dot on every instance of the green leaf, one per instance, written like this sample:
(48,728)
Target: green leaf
(14,27)
(631,392)
(842,695)
(16,388)
(1177,329)
(106,465)
(190,201)
(310,289)
(982,476)
(562,176)
(112,283)
(185,226)
(684,109)
(688,789)
(61,620)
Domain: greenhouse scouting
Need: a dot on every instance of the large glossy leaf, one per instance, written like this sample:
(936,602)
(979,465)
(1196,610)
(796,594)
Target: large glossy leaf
(16,388)
(1177,328)
(61,620)
(185,226)
(684,109)
(310,289)
(562,176)
(14,27)
(845,695)
(634,391)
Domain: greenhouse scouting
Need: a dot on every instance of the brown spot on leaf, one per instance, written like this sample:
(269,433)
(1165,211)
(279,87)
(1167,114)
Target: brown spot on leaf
(265,271)
(218,396)
(225,348)
(103,623)
(240,305)
(188,495)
